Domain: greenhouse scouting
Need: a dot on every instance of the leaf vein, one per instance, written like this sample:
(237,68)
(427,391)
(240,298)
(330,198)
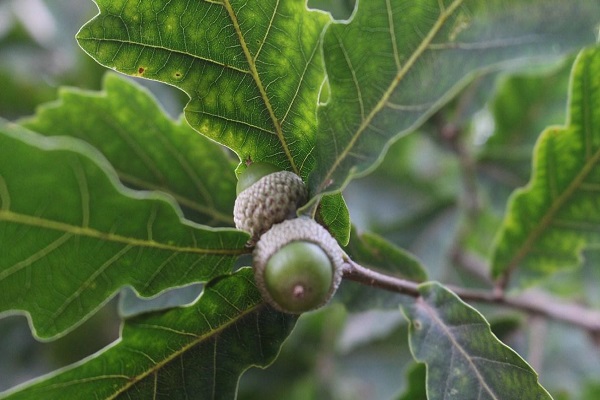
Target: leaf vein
(235,121)
(267,32)
(550,214)
(354,78)
(169,50)
(4,195)
(587,118)
(75,295)
(189,171)
(84,193)
(38,255)
(181,199)
(110,237)
(393,33)
(301,79)
(158,270)
(137,149)
(86,380)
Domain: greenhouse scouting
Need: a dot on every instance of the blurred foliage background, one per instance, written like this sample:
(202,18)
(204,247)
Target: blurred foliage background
(439,193)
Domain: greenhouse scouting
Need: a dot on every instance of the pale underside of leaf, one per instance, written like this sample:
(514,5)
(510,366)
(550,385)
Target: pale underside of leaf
(464,359)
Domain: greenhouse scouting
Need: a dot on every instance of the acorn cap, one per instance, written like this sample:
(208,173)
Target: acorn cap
(296,230)
(271,199)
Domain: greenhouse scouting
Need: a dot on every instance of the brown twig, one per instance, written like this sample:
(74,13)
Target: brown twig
(533,302)
(369,277)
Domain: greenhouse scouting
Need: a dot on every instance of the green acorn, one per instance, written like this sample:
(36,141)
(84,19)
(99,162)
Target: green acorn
(253,173)
(266,197)
(297,265)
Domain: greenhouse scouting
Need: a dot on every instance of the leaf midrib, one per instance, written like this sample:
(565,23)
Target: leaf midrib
(28,220)
(261,88)
(423,46)
(555,207)
(252,71)
(592,159)
(432,314)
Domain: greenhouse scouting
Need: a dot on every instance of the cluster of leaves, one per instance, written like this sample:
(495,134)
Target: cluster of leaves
(101,190)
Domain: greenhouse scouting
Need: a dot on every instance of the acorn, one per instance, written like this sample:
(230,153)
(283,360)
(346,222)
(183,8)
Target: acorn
(297,265)
(266,196)
(253,173)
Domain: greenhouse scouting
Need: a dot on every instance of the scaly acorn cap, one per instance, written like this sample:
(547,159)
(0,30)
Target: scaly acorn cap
(297,244)
(272,199)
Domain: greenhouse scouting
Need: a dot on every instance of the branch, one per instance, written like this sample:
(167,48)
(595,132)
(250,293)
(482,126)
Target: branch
(356,272)
(539,303)
(534,302)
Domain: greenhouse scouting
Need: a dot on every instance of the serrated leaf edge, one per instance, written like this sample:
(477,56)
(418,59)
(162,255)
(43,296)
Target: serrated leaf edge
(592,159)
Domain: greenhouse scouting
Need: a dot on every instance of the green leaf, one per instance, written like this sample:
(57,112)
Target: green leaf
(71,235)
(464,359)
(416,383)
(296,375)
(197,352)
(148,150)
(334,214)
(253,70)
(591,391)
(396,62)
(552,219)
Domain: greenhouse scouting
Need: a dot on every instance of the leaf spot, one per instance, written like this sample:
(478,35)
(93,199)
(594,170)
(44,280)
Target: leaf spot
(418,324)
